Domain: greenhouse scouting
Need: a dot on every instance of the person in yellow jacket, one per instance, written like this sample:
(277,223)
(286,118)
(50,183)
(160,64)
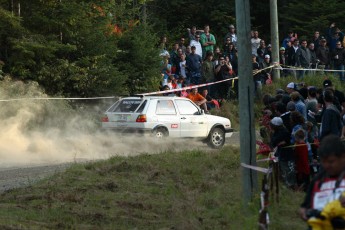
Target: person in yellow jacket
(331,217)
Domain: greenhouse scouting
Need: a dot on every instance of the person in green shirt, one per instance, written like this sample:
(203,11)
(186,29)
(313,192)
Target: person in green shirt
(207,40)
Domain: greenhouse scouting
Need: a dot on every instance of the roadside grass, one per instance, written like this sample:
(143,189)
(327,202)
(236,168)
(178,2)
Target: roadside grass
(172,190)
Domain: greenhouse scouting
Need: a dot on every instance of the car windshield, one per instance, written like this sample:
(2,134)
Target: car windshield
(127,106)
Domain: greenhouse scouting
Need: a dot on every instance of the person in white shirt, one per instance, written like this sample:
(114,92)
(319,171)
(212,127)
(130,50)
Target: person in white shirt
(197,44)
(255,42)
(183,66)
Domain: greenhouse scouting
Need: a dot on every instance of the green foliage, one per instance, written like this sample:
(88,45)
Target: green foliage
(316,15)
(139,59)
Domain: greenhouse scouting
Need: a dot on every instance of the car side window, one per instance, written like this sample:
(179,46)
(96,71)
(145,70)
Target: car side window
(186,107)
(165,107)
(141,108)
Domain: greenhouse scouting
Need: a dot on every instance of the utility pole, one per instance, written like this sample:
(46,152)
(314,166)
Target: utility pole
(274,37)
(246,99)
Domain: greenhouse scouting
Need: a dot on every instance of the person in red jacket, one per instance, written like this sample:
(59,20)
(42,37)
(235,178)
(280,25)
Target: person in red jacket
(301,160)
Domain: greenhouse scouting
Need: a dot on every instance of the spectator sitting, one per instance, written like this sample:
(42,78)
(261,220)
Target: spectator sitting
(210,102)
(198,99)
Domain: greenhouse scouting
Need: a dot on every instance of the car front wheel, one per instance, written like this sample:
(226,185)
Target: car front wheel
(216,138)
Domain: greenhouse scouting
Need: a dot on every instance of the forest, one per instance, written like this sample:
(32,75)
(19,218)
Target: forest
(111,47)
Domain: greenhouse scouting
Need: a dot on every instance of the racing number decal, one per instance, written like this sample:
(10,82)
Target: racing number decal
(174,126)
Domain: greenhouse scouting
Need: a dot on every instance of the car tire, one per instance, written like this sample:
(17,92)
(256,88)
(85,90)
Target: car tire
(216,138)
(160,133)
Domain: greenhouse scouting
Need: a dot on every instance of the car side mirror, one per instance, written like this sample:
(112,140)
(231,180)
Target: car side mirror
(202,112)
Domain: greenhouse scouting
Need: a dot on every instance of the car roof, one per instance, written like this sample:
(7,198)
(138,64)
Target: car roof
(153,97)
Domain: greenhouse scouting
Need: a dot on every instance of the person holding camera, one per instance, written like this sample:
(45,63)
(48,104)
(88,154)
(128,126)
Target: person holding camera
(222,72)
(329,184)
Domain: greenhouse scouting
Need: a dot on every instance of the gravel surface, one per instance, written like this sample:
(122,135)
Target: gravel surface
(26,175)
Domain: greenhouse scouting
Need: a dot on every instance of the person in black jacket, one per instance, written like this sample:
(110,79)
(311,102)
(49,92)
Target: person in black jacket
(280,139)
(331,119)
(338,58)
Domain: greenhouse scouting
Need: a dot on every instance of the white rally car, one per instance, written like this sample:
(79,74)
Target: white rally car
(163,116)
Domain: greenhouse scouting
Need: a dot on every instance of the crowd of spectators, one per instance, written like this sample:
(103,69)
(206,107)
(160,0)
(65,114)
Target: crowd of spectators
(198,57)
(294,121)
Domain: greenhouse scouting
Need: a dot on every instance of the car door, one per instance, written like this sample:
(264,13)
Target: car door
(193,123)
(167,116)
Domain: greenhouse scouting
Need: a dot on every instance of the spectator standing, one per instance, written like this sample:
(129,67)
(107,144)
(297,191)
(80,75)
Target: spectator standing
(300,106)
(283,61)
(208,71)
(257,76)
(208,41)
(291,52)
(189,50)
(181,45)
(316,39)
(194,62)
(302,59)
(196,43)
(291,36)
(261,51)
(280,139)
(222,73)
(302,162)
(331,119)
(338,58)
(323,54)
(174,59)
(284,115)
(183,65)
(266,72)
(255,40)
(312,55)
(232,35)
(311,105)
(192,33)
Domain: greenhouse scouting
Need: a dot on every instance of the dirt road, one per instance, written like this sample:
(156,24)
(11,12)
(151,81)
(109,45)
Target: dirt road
(20,176)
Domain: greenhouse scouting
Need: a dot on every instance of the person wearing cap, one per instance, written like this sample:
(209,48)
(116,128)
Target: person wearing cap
(291,53)
(280,139)
(193,63)
(288,39)
(232,35)
(266,73)
(323,54)
(255,41)
(207,40)
(283,61)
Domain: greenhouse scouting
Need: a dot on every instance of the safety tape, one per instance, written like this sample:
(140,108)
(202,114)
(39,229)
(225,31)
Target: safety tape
(188,87)
(57,98)
(286,67)
(256,168)
(267,159)
(293,146)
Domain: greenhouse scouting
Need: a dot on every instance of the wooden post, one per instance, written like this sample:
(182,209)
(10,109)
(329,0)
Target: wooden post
(274,37)
(246,99)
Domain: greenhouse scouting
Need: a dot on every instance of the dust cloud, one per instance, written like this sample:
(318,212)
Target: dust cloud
(40,132)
